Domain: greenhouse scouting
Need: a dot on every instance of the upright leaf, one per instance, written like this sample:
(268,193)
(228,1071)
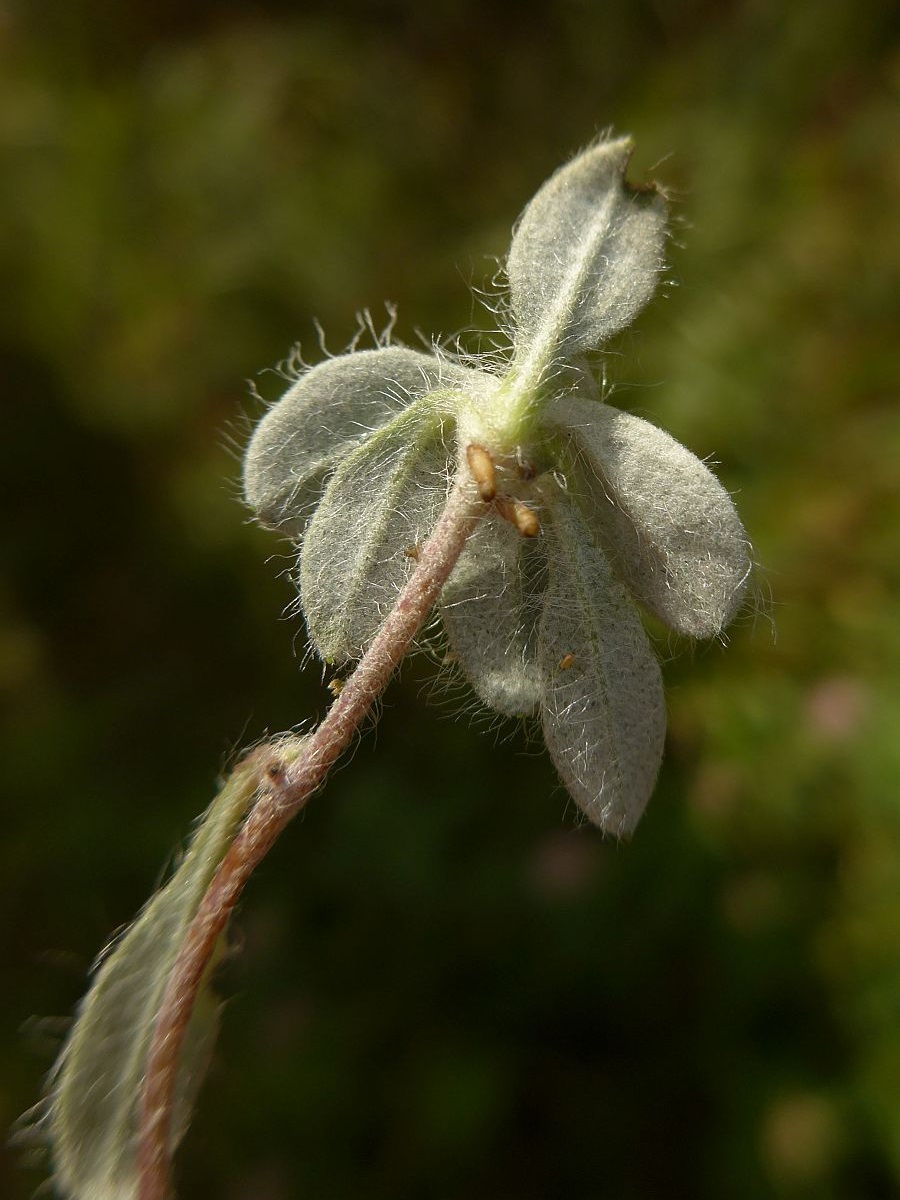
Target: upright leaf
(585,257)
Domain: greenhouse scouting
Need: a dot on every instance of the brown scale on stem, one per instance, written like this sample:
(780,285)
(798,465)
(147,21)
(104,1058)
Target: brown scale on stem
(519,514)
(484,471)
(483,468)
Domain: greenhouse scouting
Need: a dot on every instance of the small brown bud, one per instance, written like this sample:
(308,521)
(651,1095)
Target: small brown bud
(524,518)
(483,471)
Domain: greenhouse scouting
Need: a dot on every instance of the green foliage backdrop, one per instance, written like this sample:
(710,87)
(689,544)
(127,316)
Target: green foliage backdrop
(444,987)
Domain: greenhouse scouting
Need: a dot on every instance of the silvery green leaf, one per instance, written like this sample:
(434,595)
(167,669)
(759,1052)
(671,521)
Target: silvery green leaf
(330,410)
(586,255)
(93,1105)
(490,607)
(381,503)
(673,530)
(603,708)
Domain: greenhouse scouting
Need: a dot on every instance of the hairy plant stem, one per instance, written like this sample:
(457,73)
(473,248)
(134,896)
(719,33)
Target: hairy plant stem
(284,787)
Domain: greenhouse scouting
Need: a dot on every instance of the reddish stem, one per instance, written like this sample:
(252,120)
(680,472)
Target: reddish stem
(283,790)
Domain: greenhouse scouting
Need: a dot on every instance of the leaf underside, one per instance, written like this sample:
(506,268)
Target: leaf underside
(328,412)
(381,503)
(603,709)
(490,609)
(672,529)
(586,255)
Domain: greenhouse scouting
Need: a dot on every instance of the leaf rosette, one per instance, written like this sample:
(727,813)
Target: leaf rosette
(591,513)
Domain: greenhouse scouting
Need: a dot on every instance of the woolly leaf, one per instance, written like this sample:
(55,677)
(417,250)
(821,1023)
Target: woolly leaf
(490,608)
(603,709)
(382,501)
(674,532)
(93,1106)
(586,255)
(328,412)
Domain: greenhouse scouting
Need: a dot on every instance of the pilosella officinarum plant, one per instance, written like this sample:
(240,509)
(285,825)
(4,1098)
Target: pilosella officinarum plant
(535,516)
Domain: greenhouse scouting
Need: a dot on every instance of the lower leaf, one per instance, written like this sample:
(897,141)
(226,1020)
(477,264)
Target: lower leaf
(92,1117)
(603,708)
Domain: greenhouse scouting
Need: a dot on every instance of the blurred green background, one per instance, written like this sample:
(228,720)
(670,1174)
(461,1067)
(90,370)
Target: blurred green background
(445,987)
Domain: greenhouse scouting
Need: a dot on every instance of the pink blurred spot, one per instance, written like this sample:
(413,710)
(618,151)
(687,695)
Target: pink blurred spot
(836,707)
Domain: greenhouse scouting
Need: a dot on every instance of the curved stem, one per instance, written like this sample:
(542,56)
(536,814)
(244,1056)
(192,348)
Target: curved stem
(283,789)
